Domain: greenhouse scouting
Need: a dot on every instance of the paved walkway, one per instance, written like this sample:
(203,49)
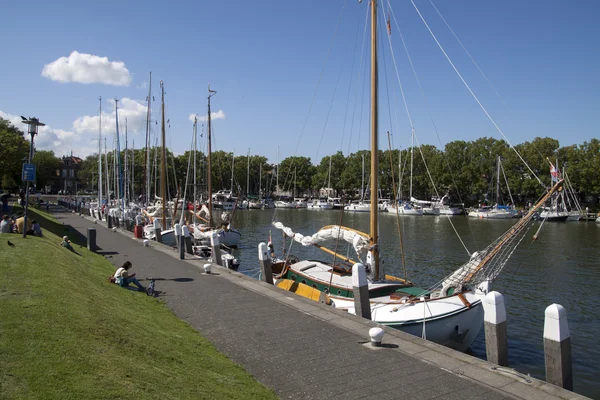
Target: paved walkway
(305,350)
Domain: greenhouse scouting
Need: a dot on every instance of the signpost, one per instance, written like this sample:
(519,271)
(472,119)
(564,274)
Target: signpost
(28,174)
(29,168)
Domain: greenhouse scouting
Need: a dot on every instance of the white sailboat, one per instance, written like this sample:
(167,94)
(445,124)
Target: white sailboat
(362,205)
(449,313)
(202,232)
(497,211)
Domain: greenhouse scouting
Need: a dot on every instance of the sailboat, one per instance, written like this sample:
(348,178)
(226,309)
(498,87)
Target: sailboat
(361,205)
(449,312)
(228,236)
(497,211)
(557,211)
(405,208)
(159,212)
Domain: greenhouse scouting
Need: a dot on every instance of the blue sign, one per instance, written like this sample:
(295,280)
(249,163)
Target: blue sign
(28,174)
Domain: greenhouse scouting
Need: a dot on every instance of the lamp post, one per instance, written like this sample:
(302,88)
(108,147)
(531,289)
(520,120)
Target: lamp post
(27,168)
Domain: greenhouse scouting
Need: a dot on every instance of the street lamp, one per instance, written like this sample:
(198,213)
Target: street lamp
(28,173)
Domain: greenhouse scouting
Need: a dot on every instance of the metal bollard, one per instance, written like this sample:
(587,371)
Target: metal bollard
(496,339)
(91,239)
(265,263)
(360,287)
(109,221)
(557,347)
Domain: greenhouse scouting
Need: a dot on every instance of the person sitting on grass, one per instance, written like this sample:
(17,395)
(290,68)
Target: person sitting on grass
(123,278)
(6,224)
(36,228)
(66,243)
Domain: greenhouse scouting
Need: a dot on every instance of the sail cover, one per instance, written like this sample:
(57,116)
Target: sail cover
(358,240)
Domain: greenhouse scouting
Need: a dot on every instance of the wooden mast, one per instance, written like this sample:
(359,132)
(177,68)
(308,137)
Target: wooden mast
(208,162)
(163,160)
(374,146)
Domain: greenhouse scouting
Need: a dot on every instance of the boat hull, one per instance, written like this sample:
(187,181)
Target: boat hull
(445,321)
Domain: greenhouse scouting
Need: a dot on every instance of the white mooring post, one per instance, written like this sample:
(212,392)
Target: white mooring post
(557,347)
(496,339)
(265,263)
(215,249)
(360,287)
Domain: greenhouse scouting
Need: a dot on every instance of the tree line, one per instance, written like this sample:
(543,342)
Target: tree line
(464,169)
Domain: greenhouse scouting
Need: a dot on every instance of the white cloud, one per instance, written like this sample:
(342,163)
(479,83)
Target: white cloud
(213,115)
(58,140)
(87,68)
(132,110)
(82,139)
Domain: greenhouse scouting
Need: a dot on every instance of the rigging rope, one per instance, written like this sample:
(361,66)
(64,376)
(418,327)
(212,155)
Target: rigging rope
(473,94)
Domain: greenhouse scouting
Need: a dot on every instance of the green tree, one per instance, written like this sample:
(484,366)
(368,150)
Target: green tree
(46,166)
(13,149)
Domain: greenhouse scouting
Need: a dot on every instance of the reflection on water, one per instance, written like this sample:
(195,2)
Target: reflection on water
(559,267)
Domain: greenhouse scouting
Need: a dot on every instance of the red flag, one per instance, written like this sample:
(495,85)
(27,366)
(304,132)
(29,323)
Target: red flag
(389,26)
(554,173)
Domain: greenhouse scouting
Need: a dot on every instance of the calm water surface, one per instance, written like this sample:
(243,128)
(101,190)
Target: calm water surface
(561,266)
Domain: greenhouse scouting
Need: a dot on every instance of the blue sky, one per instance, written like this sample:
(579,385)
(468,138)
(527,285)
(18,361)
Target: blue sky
(265,58)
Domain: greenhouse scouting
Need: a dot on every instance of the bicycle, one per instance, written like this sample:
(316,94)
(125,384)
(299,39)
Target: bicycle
(150,290)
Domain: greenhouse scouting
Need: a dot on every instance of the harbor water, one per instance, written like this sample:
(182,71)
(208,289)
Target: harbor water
(561,266)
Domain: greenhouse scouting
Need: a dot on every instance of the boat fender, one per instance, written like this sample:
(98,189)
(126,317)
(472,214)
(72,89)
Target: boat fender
(446,288)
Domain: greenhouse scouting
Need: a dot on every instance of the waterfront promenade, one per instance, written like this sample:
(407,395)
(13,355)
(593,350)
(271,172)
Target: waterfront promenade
(302,349)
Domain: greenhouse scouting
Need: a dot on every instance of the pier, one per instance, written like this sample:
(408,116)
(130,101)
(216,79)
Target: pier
(302,349)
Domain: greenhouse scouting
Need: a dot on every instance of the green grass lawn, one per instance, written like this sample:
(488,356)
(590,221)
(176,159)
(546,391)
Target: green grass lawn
(66,333)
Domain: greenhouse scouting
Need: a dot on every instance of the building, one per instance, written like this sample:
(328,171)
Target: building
(67,180)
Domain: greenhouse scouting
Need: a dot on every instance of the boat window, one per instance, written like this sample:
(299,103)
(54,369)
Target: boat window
(339,291)
(315,285)
(293,277)
(303,281)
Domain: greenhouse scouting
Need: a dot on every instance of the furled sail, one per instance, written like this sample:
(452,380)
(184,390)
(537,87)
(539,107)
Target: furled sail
(358,240)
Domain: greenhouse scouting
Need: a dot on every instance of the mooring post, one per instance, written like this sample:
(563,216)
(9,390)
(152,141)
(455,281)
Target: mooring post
(496,339)
(215,249)
(187,238)
(180,241)
(177,232)
(360,287)
(157,231)
(265,263)
(557,347)
(91,239)
(109,221)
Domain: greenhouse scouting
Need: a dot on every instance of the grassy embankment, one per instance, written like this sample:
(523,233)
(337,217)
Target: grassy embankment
(65,332)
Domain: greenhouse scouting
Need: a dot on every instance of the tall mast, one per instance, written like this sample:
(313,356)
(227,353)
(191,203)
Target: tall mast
(208,161)
(126,191)
(260,181)
(100,156)
(374,145)
(497,179)
(148,139)
(163,160)
(195,150)
(294,194)
(248,175)
(412,145)
(119,175)
(106,171)
(362,184)
(329,179)
(232,169)
(132,169)
(277,175)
